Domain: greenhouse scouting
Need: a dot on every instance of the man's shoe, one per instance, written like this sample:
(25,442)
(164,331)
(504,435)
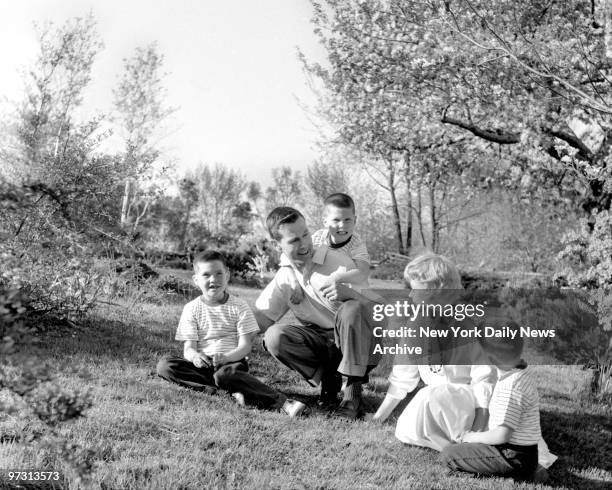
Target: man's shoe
(348,409)
(330,386)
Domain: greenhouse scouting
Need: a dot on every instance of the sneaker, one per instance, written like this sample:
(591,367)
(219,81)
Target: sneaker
(239,397)
(293,408)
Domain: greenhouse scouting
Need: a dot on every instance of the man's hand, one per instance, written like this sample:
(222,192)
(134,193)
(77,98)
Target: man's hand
(219,359)
(200,361)
(335,291)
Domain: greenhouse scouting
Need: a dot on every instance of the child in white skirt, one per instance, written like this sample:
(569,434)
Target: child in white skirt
(456,397)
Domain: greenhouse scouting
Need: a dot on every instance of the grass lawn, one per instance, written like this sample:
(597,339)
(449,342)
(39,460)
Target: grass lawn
(149,434)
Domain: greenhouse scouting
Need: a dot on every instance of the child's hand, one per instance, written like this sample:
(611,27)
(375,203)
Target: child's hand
(200,361)
(297,295)
(467,437)
(371,418)
(219,359)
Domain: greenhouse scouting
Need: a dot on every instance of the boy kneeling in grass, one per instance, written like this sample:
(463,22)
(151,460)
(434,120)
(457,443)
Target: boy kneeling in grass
(510,446)
(218,330)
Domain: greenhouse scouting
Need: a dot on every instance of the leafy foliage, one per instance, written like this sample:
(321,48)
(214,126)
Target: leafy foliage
(32,384)
(577,321)
(588,259)
(488,93)
(140,113)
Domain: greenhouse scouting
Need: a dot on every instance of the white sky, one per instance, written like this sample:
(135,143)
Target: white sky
(233,71)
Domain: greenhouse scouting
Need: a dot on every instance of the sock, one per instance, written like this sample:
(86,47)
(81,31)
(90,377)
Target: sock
(352,392)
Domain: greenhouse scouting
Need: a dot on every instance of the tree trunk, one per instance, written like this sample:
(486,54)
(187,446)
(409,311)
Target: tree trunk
(397,221)
(125,206)
(420,214)
(183,236)
(408,241)
(140,215)
(431,192)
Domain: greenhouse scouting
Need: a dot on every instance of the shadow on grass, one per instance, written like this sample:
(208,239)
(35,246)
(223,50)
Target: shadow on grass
(104,340)
(583,443)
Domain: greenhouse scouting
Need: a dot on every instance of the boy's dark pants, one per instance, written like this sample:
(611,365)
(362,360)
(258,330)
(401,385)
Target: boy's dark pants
(484,459)
(232,377)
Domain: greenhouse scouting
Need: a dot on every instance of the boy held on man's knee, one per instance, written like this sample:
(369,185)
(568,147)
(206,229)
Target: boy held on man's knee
(339,220)
(217,330)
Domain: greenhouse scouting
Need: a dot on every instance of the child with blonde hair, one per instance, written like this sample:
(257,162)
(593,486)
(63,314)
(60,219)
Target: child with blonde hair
(456,397)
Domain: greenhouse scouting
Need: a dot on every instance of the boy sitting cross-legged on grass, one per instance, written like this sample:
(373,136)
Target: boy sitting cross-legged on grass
(218,330)
(510,446)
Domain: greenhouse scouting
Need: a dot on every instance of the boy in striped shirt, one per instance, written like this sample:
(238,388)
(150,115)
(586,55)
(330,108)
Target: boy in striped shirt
(510,446)
(217,330)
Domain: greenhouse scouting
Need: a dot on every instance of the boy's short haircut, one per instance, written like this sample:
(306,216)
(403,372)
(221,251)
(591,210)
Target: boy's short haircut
(340,200)
(433,270)
(502,351)
(280,216)
(208,256)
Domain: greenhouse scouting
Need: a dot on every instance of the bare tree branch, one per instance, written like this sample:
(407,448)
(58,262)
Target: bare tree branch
(571,139)
(495,136)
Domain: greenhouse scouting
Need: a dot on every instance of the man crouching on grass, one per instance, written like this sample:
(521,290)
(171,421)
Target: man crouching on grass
(333,333)
(218,331)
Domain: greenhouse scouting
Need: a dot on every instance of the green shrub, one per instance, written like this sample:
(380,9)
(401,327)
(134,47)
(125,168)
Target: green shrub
(32,385)
(55,281)
(587,260)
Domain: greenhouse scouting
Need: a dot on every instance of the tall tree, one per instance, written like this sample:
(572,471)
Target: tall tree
(219,191)
(324,179)
(188,191)
(514,82)
(54,90)
(286,188)
(140,111)
(362,100)
(69,185)
(543,64)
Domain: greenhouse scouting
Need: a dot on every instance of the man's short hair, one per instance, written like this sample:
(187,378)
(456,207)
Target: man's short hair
(208,256)
(433,270)
(340,200)
(281,216)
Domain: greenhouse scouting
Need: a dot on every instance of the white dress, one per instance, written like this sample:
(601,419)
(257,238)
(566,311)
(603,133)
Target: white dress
(444,409)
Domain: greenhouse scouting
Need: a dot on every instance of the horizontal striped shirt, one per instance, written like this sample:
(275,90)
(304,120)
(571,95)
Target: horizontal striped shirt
(216,328)
(355,248)
(515,404)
